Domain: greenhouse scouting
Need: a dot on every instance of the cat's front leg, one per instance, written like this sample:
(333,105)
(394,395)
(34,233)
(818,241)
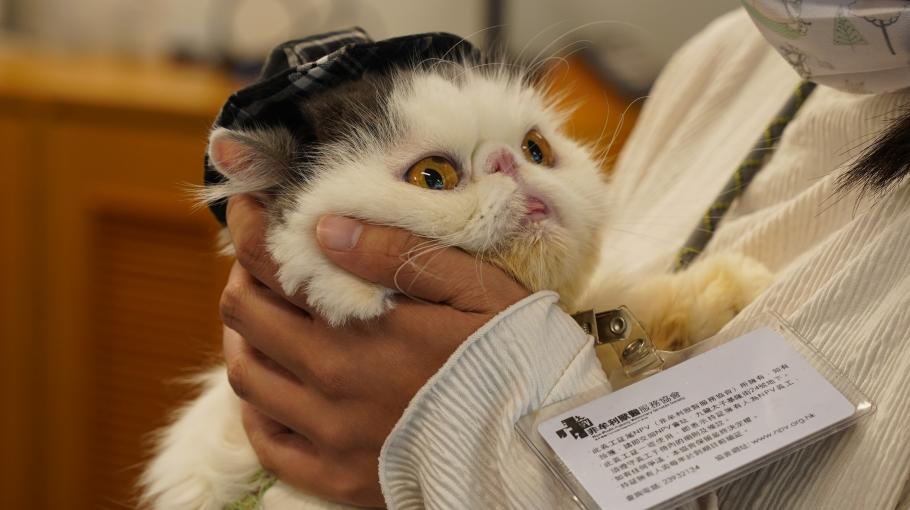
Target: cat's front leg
(681,309)
(335,294)
(339,296)
(684,308)
(203,460)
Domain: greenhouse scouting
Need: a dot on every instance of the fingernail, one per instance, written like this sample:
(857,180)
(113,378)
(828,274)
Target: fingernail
(338,232)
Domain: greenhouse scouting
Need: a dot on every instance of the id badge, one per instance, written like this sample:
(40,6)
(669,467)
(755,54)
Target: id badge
(684,424)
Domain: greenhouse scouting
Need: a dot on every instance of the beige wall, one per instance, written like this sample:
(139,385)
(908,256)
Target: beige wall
(660,26)
(153,26)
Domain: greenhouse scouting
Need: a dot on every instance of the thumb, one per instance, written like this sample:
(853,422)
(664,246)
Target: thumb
(416,266)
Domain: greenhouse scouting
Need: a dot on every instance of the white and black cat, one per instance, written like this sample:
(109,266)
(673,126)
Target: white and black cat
(473,156)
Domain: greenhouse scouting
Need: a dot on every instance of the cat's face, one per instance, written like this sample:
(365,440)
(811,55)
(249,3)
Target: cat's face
(472,159)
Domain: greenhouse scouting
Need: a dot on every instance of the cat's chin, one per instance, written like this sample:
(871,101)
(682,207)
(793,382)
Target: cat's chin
(536,260)
(537,221)
(543,253)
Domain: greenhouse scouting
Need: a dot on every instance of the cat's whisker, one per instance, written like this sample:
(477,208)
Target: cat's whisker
(422,249)
(562,55)
(612,226)
(410,259)
(582,27)
(438,62)
(649,220)
(622,119)
(490,64)
(536,36)
(465,40)
(603,129)
(478,272)
(644,236)
(116,504)
(419,246)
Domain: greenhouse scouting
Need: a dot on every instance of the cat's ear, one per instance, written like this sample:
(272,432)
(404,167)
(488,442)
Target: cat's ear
(253,161)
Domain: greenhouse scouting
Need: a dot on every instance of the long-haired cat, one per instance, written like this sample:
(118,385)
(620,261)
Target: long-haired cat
(473,156)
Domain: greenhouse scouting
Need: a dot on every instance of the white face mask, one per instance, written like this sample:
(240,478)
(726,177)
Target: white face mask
(860,46)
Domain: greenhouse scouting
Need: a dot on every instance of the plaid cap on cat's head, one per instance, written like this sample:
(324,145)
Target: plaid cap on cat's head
(299,68)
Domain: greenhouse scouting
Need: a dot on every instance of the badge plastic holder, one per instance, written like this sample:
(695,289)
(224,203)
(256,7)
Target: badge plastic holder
(628,356)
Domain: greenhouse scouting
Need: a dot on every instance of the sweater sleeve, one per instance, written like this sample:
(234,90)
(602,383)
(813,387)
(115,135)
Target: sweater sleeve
(456,446)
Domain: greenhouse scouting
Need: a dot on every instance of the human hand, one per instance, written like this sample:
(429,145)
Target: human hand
(319,402)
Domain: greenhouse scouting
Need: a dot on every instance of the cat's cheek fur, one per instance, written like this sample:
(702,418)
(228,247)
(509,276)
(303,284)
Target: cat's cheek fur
(339,296)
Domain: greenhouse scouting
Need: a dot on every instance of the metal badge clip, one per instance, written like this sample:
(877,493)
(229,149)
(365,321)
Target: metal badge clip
(618,336)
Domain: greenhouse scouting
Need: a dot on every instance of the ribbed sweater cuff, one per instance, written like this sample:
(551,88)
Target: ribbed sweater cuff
(458,430)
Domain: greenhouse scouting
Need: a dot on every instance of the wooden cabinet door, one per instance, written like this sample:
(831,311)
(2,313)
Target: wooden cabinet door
(18,320)
(131,294)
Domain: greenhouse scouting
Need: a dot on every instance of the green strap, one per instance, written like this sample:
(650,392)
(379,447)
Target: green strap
(253,501)
(741,178)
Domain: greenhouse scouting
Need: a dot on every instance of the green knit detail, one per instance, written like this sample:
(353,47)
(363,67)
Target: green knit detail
(262,481)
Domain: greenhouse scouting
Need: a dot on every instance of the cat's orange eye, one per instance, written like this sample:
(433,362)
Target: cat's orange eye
(434,172)
(537,149)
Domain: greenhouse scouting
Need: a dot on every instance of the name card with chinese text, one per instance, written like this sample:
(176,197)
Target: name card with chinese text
(696,425)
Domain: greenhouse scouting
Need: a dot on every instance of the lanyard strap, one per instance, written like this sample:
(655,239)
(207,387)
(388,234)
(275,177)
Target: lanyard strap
(741,178)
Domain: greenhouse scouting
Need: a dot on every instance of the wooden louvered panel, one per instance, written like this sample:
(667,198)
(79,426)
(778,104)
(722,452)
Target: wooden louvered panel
(133,298)
(108,281)
(153,317)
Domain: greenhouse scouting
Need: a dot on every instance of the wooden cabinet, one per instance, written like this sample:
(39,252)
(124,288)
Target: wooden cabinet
(17,317)
(109,280)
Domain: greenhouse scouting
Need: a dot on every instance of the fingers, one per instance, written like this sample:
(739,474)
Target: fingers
(415,266)
(303,345)
(351,479)
(270,324)
(261,382)
(247,224)
(300,406)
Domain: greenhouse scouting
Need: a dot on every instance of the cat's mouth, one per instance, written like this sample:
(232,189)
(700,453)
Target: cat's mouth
(536,209)
(536,206)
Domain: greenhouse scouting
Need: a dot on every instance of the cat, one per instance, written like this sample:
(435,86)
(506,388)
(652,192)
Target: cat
(471,156)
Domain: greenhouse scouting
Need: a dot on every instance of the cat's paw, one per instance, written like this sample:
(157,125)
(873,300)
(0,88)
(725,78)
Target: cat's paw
(336,295)
(339,297)
(695,304)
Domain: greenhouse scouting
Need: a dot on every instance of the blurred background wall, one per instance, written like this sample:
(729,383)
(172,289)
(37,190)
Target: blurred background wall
(207,26)
(108,282)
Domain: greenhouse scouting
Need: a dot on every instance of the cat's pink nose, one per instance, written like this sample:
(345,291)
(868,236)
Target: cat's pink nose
(502,161)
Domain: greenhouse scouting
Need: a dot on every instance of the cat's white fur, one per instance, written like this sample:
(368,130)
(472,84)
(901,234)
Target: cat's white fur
(204,460)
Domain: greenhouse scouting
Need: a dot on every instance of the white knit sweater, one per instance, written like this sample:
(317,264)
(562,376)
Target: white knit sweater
(843,265)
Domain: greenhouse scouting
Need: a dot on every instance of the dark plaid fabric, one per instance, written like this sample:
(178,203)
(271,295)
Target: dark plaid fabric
(300,68)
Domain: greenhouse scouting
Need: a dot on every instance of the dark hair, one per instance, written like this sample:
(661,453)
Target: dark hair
(885,163)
